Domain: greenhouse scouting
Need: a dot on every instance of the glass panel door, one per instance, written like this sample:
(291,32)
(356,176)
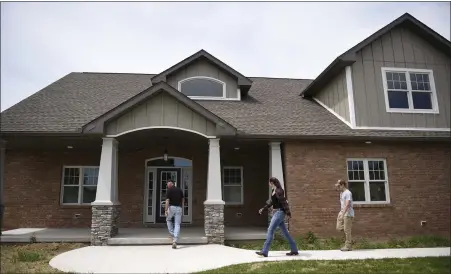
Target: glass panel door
(150,215)
(165,175)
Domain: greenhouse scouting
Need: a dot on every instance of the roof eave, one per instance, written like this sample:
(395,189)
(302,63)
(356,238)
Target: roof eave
(346,138)
(331,71)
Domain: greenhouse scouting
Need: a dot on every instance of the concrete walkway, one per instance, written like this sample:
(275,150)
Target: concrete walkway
(188,259)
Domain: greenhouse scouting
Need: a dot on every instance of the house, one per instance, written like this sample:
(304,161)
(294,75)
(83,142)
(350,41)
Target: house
(96,149)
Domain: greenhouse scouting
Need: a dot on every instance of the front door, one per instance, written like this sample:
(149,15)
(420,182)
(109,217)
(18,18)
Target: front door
(163,175)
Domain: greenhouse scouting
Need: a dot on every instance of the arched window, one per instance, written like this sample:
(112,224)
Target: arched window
(171,162)
(202,87)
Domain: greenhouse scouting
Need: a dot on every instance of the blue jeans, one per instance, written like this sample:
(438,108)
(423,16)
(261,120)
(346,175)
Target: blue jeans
(174,229)
(278,220)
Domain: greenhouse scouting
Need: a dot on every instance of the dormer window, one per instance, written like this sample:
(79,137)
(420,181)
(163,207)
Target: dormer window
(201,87)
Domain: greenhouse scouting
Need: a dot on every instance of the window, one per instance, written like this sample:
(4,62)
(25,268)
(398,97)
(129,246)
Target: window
(79,185)
(368,180)
(232,190)
(201,87)
(409,90)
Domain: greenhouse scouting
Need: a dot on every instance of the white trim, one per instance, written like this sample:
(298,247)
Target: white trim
(224,89)
(333,112)
(80,185)
(169,157)
(406,128)
(238,94)
(212,98)
(434,101)
(367,180)
(230,185)
(350,91)
(161,127)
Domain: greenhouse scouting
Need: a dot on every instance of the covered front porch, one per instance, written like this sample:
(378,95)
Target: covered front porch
(218,207)
(128,236)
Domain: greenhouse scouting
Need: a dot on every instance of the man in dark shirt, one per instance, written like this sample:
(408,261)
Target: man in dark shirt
(173,209)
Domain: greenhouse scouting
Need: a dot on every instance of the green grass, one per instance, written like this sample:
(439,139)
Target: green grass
(439,265)
(29,256)
(32,258)
(311,242)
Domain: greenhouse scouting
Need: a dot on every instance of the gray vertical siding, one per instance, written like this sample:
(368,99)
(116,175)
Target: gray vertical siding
(161,110)
(404,49)
(335,96)
(205,68)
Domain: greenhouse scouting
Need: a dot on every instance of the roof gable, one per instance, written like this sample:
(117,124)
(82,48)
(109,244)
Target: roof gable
(349,57)
(242,80)
(98,125)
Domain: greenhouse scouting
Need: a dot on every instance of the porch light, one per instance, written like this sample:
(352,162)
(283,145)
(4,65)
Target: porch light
(165,156)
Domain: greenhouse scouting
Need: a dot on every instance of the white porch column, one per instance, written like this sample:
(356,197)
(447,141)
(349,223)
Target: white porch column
(276,170)
(214,186)
(214,205)
(275,162)
(107,181)
(106,207)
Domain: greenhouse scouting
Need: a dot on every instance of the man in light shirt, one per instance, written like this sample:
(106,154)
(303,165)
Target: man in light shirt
(346,215)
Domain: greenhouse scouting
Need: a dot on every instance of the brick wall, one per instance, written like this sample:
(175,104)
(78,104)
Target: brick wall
(32,188)
(255,162)
(33,184)
(418,178)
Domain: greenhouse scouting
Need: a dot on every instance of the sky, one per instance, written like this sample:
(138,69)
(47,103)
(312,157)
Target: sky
(42,42)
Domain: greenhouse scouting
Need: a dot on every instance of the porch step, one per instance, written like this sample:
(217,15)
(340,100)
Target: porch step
(155,240)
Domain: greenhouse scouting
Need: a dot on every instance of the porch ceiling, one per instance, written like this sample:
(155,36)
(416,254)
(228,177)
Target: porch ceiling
(54,142)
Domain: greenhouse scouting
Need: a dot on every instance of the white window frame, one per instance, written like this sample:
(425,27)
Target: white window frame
(224,185)
(224,90)
(407,71)
(80,185)
(367,180)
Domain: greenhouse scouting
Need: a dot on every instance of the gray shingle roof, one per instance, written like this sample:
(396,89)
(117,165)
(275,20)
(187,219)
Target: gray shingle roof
(272,108)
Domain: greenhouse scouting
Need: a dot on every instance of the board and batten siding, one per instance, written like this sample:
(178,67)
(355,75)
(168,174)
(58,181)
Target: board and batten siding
(400,48)
(161,110)
(335,96)
(205,68)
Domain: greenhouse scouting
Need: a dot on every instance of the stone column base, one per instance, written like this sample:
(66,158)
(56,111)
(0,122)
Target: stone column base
(104,225)
(214,223)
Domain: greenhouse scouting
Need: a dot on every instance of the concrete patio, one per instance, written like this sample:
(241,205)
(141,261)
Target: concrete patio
(128,236)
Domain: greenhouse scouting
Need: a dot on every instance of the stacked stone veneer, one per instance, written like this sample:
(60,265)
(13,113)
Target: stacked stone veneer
(104,223)
(214,223)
